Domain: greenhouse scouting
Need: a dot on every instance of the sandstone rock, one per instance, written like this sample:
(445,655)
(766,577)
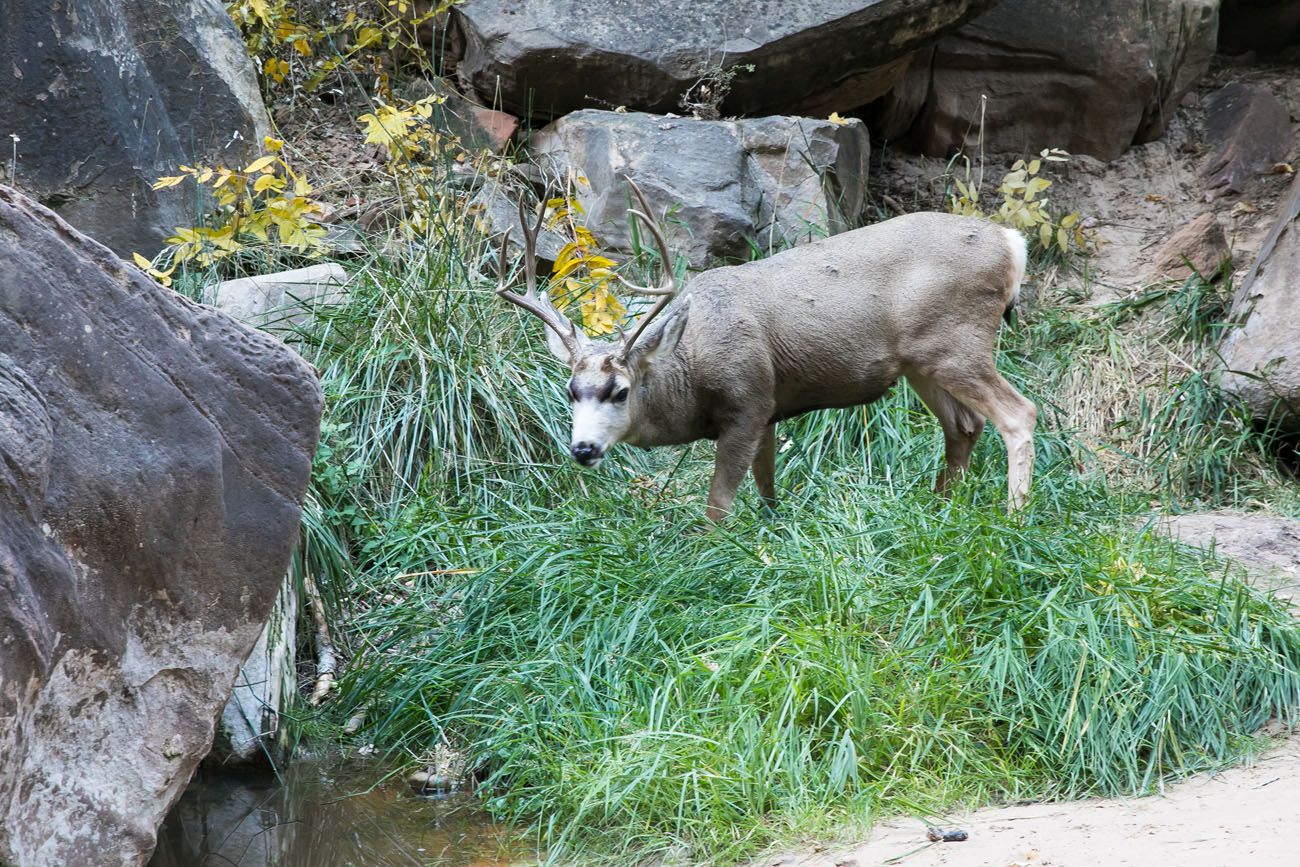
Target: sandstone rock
(1258,25)
(279,302)
(551,57)
(249,733)
(249,730)
(773,181)
(1262,356)
(1250,130)
(153,459)
(1201,243)
(1092,78)
(108,95)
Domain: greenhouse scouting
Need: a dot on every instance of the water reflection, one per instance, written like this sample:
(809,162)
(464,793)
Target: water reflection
(324,817)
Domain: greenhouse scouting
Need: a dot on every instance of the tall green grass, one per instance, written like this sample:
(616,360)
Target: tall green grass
(627,680)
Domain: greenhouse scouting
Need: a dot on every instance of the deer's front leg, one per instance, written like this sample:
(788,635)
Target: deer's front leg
(764,466)
(737,447)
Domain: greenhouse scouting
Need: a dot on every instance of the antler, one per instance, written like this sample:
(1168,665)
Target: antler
(538,305)
(666,290)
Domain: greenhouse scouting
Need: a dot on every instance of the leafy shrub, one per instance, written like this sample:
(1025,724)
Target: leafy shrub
(1024,206)
(266,202)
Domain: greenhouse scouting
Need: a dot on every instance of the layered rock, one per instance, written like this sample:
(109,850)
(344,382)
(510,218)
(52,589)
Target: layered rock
(1092,78)
(105,96)
(1249,130)
(729,185)
(547,58)
(1262,355)
(153,458)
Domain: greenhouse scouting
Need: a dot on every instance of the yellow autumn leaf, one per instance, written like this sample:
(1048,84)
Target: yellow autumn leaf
(260,10)
(276,68)
(388,126)
(164,183)
(144,263)
(1045,235)
(836,119)
(368,36)
(266,182)
(259,164)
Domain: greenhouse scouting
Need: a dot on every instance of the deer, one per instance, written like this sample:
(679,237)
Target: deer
(832,323)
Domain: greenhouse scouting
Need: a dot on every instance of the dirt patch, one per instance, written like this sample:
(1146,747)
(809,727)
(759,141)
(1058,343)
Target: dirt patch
(1239,816)
(1268,546)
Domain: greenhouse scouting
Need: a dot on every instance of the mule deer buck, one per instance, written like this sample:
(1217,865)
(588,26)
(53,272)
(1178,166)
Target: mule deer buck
(833,323)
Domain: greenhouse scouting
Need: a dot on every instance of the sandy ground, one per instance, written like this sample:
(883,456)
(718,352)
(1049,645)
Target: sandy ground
(1239,816)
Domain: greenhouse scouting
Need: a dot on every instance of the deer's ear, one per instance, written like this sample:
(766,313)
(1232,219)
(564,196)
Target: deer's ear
(662,339)
(556,345)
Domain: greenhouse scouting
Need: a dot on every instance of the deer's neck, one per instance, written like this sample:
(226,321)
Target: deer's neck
(667,407)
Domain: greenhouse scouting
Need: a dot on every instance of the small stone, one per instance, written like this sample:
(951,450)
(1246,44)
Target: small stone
(1201,243)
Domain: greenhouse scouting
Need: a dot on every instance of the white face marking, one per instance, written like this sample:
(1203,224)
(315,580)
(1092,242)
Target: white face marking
(600,423)
(600,419)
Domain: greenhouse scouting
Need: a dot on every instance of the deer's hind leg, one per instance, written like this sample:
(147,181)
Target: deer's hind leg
(961,428)
(983,390)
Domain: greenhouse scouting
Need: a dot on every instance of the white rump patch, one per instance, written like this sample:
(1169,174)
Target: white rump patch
(1019,258)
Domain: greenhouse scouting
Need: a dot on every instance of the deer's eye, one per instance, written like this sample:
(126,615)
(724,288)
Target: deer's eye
(573,391)
(620,396)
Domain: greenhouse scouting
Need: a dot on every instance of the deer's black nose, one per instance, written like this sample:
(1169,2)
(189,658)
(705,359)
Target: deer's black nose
(585,453)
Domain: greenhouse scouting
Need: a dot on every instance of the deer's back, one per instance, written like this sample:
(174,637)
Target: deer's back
(838,320)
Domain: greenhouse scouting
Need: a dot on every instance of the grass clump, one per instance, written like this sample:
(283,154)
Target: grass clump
(633,682)
(628,681)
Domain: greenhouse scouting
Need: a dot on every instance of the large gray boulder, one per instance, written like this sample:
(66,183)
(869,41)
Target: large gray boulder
(106,96)
(729,186)
(1262,355)
(153,458)
(551,57)
(1093,78)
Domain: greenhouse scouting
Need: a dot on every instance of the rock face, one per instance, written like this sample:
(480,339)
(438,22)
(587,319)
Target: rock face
(773,181)
(1250,130)
(153,459)
(1092,78)
(108,95)
(1262,356)
(551,57)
